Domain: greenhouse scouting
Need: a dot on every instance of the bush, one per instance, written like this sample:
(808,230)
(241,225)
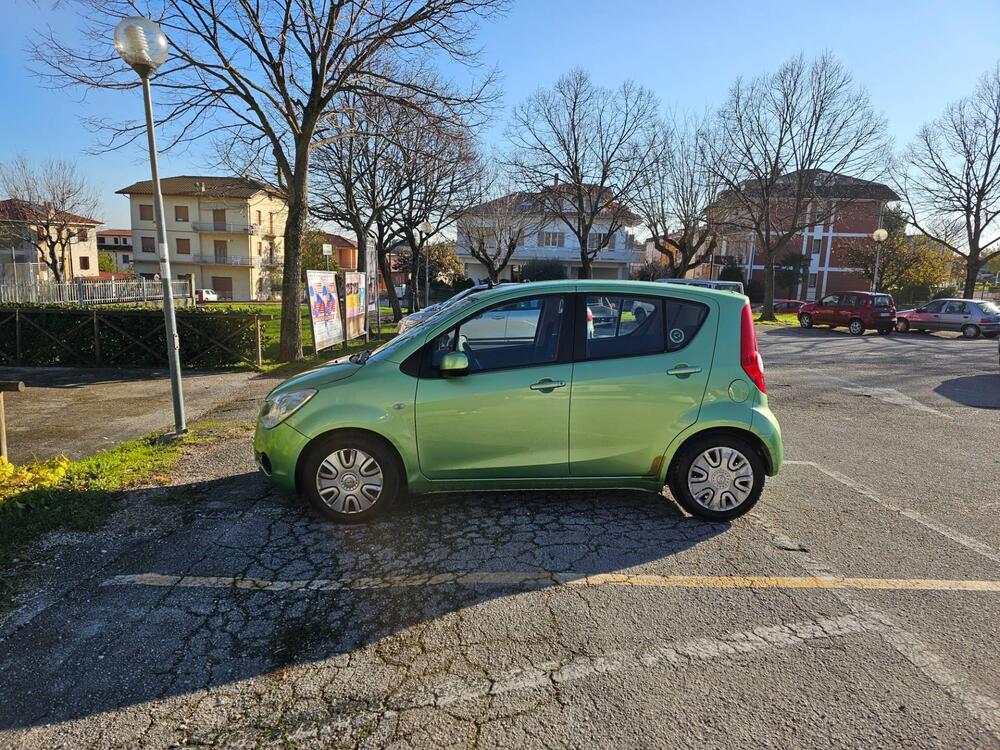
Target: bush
(650,271)
(132,336)
(947,291)
(755,291)
(543,270)
(731,272)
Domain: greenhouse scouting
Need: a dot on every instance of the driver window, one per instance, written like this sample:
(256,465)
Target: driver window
(955,308)
(517,334)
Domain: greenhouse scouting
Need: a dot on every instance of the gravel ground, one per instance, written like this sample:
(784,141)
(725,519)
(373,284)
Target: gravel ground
(219,613)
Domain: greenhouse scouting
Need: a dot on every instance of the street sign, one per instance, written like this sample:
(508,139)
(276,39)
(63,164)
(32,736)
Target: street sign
(327,248)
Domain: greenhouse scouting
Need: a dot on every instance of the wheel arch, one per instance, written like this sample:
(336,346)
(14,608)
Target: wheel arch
(743,432)
(347,432)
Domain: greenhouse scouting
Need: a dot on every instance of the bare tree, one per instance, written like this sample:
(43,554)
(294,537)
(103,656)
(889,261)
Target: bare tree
(596,141)
(51,209)
(494,229)
(784,147)
(266,77)
(950,178)
(674,199)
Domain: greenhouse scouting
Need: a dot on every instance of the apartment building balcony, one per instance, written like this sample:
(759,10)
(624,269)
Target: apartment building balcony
(225,227)
(565,254)
(217,259)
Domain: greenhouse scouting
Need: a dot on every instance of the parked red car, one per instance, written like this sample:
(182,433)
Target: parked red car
(857,311)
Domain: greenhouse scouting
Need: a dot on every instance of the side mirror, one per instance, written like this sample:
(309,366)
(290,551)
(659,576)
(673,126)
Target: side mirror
(454,364)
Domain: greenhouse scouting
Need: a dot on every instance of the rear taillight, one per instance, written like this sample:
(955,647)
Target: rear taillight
(986,320)
(750,359)
(590,316)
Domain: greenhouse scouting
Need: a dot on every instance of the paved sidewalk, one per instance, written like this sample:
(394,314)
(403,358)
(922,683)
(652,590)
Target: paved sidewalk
(76,412)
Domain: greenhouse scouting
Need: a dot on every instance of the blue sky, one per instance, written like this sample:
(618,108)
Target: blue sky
(913,57)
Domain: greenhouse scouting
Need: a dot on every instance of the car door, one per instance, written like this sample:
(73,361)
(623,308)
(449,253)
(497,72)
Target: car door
(509,416)
(636,385)
(826,310)
(930,316)
(955,315)
(846,309)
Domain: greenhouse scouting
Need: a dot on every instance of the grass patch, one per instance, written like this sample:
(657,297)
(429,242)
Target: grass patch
(76,495)
(783,319)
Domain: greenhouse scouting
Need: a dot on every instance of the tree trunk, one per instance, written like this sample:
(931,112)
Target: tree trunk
(585,272)
(767,313)
(290,348)
(971,272)
(390,289)
(494,274)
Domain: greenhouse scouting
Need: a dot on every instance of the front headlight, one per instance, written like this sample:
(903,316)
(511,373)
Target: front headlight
(276,410)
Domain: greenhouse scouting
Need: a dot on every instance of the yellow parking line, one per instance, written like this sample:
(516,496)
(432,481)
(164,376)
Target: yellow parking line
(543,578)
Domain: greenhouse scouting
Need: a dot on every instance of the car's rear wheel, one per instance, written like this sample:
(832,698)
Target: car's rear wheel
(806,320)
(970,332)
(717,477)
(856,327)
(351,478)
(902,325)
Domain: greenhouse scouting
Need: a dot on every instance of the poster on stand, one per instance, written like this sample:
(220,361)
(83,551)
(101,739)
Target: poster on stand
(324,309)
(355,300)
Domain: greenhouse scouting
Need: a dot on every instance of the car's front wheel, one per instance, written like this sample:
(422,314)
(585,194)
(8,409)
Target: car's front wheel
(806,320)
(351,478)
(717,477)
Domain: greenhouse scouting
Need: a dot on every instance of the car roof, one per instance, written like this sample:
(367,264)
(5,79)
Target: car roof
(604,286)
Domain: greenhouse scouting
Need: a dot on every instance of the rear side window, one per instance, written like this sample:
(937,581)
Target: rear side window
(626,326)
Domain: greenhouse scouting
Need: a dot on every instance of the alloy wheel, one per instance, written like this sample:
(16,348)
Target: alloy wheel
(720,478)
(805,320)
(856,327)
(349,481)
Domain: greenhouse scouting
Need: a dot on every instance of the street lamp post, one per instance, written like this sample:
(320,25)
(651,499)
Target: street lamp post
(880,236)
(142,45)
(426,228)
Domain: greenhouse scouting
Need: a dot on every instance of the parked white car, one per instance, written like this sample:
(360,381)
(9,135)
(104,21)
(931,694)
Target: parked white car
(728,286)
(206,295)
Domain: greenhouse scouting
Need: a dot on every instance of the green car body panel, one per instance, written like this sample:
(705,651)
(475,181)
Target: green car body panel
(615,422)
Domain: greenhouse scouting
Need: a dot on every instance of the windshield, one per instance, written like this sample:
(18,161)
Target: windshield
(990,308)
(883,300)
(393,345)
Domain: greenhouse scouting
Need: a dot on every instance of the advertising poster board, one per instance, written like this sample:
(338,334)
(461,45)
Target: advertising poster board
(324,309)
(355,303)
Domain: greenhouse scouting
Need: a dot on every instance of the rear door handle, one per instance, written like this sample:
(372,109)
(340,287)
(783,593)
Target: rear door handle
(682,371)
(547,385)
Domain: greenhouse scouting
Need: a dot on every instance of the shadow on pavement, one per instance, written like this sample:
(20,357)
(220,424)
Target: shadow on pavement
(978,391)
(104,647)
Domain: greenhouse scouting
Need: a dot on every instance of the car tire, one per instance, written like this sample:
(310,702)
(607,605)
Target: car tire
(970,332)
(351,477)
(884,331)
(856,327)
(734,493)
(806,320)
(902,326)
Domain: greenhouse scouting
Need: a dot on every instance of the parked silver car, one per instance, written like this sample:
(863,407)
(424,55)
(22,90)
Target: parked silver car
(409,321)
(971,317)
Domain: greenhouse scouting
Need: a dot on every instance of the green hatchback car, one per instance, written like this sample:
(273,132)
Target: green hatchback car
(563,384)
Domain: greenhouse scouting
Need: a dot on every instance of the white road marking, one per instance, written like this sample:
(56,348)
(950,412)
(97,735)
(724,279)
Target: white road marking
(958,537)
(908,645)
(671,653)
(892,396)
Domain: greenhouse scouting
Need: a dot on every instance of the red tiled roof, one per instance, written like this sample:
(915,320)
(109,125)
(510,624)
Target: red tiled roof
(114,232)
(216,187)
(29,213)
(339,240)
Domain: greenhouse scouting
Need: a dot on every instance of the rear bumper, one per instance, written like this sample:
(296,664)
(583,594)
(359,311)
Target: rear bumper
(764,425)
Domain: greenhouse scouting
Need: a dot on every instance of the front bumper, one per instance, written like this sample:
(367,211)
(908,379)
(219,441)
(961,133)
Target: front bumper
(276,452)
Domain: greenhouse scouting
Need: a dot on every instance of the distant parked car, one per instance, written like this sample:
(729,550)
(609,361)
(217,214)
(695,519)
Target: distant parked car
(971,317)
(782,305)
(726,286)
(413,319)
(206,295)
(857,311)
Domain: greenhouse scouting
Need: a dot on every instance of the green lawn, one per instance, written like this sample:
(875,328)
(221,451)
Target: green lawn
(783,319)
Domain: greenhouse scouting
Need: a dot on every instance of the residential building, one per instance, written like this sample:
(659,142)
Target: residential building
(859,205)
(345,251)
(21,222)
(118,242)
(225,233)
(548,238)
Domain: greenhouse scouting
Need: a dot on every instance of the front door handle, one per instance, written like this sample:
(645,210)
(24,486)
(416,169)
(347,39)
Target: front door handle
(547,385)
(682,371)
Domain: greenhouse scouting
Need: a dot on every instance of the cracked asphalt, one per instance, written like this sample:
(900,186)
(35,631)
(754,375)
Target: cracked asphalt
(856,606)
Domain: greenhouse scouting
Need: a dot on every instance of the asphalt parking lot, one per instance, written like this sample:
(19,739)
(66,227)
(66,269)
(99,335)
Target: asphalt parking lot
(857,606)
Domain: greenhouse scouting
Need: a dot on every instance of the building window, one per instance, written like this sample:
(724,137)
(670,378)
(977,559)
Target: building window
(183,246)
(817,246)
(551,239)
(515,273)
(270,223)
(260,249)
(148,245)
(125,259)
(180,213)
(596,240)
(84,263)
(82,235)
(259,220)
(145,212)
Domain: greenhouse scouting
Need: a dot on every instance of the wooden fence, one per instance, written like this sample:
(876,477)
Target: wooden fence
(127,338)
(87,292)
